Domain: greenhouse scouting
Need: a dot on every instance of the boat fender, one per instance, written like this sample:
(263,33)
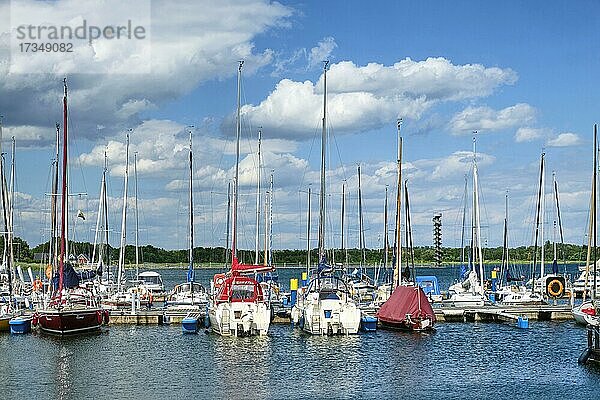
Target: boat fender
(585,355)
(99,316)
(106,316)
(555,288)
(35,319)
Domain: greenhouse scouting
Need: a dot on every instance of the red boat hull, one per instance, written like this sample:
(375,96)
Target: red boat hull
(65,322)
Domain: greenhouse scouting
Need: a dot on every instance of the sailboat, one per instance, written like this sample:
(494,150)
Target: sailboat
(512,291)
(191,294)
(362,287)
(470,291)
(408,308)
(325,306)
(71,309)
(586,312)
(7,309)
(552,285)
(238,306)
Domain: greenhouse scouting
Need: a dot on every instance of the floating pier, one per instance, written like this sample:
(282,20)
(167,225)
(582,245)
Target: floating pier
(507,314)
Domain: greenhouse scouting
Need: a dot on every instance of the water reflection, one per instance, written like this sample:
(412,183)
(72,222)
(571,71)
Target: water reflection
(159,362)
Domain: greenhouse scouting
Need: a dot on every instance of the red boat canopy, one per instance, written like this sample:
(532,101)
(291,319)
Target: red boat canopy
(237,288)
(406,300)
(246,268)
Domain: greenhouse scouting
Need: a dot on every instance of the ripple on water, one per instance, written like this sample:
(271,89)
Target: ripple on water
(156,362)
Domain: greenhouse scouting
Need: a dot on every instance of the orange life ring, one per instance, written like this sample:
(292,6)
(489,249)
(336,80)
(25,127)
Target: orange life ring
(219,279)
(555,288)
(37,285)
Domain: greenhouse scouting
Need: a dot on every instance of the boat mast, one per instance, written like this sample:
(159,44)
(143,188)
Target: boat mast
(63,216)
(5,215)
(595,216)
(267,228)
(542,215)
(257,200)
(8,264)
(190,275)
(344,249)
(228,218)
(477,215)
(123,218)
(308,234)
(137,219)
(464,218)
(537,223)
(99,218)
(237,164)
(398,236)
(409,237)
(11,203)
(504,265)
(386,245)
(323,151)
(270,221)
(53,248)
(361,237)
(106,250)
(559,219)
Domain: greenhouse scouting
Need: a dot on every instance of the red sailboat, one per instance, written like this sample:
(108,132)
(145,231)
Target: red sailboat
(72,309)
(408,308)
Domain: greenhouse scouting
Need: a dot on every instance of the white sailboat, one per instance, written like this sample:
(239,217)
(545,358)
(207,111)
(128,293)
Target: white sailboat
(511,291)
(552,285)
(189,295)
(238,306)
(470,291)
(325,306)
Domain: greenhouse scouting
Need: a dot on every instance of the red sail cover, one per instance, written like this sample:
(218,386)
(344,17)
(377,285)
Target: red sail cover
(406,300)
(245,268)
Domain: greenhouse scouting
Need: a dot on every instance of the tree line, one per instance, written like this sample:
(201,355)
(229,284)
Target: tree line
(220,255)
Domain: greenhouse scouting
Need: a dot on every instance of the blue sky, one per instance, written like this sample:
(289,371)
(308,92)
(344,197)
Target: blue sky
(523,74)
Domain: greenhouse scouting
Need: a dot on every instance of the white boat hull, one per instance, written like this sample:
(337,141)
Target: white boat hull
(329,317)
(239,319)
(583,318)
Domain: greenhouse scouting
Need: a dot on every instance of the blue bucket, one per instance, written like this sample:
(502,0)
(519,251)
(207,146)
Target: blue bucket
(523,323)
(368,324)
(327,313)
(189,325)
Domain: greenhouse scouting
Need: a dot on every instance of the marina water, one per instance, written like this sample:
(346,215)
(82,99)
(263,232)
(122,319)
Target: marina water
(460,360)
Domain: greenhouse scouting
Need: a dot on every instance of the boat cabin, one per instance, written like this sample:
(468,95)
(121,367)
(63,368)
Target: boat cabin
(239,288)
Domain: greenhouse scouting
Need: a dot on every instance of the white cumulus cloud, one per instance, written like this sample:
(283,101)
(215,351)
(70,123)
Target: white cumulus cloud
(528,134)
(564,140)
(368,97)
(487,119)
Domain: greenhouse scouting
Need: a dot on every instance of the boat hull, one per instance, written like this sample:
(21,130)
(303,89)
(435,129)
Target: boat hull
(330,317)
(20,325)
(67,322)
(4,323)
(239,319)
(425,325)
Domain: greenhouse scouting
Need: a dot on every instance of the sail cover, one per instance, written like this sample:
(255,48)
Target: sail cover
(406,300)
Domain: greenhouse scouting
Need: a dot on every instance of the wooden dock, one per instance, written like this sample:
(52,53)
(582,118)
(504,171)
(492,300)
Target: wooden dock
(506,314)
(442,314)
